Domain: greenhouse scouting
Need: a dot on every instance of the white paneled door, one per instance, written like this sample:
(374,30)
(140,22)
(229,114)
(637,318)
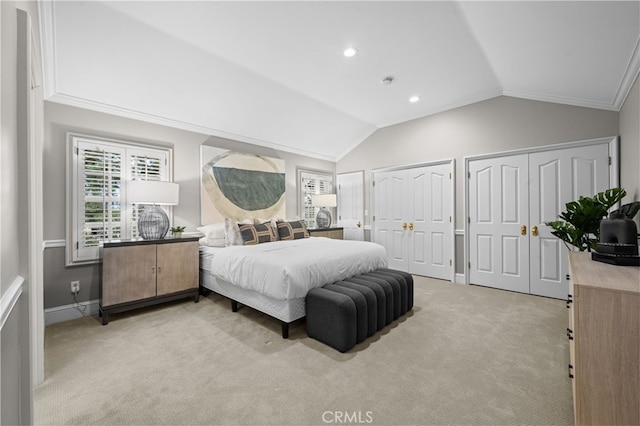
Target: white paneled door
(556,178)
(499,214)
(351,205)
(389,215)
(413,212)
(511,198)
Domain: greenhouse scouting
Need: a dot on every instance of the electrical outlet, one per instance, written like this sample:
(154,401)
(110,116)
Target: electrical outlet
(75,286)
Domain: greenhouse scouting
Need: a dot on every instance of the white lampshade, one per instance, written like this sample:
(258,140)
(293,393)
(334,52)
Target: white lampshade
(152,192)
(324,200)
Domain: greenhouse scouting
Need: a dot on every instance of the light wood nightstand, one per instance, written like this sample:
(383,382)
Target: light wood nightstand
(335,233)
(138,273)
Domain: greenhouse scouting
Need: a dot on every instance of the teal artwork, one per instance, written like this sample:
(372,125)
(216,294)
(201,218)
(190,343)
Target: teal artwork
(238,186)
(250,189)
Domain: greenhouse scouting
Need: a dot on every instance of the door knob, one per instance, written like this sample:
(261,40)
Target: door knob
(404,226)
(523,230)
(358,224)
(411,226)
(534,230)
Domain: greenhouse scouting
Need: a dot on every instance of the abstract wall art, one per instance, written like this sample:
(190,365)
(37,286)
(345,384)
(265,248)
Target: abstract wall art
(238,185)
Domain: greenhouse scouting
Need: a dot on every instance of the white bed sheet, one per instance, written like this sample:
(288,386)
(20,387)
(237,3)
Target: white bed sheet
(289,269)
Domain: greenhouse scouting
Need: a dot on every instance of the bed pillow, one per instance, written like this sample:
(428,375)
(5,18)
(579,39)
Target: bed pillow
(213,230)
(257,234)
(293,230)
(213,242)
(232,232)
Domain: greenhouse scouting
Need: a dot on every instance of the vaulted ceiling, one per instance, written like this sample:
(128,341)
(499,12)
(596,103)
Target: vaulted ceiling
(274,73)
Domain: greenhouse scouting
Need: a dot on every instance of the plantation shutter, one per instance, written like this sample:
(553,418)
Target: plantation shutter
(143,165)
(312,183)
(100,211)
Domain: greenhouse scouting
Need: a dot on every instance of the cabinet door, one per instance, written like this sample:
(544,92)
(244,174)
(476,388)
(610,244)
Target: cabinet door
(128,274)
(177,267)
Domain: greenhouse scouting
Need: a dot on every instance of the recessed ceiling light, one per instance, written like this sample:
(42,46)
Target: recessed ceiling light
(350,51)
(414,99)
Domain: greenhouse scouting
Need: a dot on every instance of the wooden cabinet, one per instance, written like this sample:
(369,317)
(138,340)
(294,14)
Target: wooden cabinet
(604,333)
(335,233)
(142,273)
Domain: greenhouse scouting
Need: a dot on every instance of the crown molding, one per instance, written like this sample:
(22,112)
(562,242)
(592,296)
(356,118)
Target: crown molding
(543,97)
(629,77)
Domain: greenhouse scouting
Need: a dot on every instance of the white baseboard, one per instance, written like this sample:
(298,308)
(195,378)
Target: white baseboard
(68,312)
(460,279)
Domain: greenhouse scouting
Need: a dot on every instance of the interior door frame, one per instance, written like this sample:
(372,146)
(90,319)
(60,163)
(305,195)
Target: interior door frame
(614,176)
(337,184)
(452,187)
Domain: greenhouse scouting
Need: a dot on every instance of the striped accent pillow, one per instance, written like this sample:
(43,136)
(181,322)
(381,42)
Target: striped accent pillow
(257,234)
(292,230)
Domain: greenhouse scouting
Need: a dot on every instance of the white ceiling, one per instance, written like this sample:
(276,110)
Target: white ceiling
(273,73)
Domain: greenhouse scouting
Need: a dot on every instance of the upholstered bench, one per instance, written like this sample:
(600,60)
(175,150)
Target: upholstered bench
(345,313)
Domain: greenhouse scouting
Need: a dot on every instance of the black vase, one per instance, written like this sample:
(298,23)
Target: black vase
(620,231)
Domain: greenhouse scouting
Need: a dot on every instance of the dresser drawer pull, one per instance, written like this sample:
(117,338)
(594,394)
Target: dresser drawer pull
(570,371)
(570,334)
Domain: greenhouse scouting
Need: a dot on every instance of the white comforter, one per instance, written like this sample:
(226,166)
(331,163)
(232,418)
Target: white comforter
(289,269)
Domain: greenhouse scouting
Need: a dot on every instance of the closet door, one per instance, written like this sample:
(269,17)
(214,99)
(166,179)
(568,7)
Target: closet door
(499,214)
(390,207)
(556,178)
(430,221)
(413,218)
(520,193)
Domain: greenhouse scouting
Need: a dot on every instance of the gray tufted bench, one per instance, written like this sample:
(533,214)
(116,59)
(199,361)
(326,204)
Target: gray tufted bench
(346,312)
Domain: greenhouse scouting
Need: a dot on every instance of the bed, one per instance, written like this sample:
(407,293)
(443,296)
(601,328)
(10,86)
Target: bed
(274,277)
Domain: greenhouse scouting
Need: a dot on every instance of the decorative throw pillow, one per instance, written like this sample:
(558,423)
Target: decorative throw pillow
(257,234)
(232,232)
(292,230)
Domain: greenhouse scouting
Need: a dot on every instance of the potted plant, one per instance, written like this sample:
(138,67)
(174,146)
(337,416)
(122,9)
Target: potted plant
(580,223)
(177,231)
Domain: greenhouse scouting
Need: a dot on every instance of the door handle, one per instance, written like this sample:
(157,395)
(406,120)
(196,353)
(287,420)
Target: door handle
(358,224)
(534,230)
(404,226)
(523,230)
(411,226)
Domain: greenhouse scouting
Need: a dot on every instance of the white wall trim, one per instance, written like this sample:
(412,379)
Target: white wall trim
(633,68)
(9,299)
(460,279)
(53,244)
(69,312)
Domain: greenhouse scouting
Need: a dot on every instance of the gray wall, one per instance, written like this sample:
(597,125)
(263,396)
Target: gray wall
(495,125)
(60,119)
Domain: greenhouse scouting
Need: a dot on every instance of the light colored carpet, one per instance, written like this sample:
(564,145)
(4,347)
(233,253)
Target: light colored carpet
(466,355)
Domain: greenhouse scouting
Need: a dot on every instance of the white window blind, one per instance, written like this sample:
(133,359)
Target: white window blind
(312,183)
(98,179)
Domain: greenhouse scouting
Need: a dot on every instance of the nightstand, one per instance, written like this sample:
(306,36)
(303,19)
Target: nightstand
(139,273)
(336,233)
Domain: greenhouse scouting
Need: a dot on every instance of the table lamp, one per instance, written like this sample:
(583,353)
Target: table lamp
(153,223)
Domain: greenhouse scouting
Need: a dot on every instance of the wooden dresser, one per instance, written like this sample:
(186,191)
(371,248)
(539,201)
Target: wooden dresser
(335,233)
(604,341)
(138,273)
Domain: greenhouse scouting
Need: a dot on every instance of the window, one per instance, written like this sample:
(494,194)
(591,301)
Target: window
(99,211)
(312,183)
